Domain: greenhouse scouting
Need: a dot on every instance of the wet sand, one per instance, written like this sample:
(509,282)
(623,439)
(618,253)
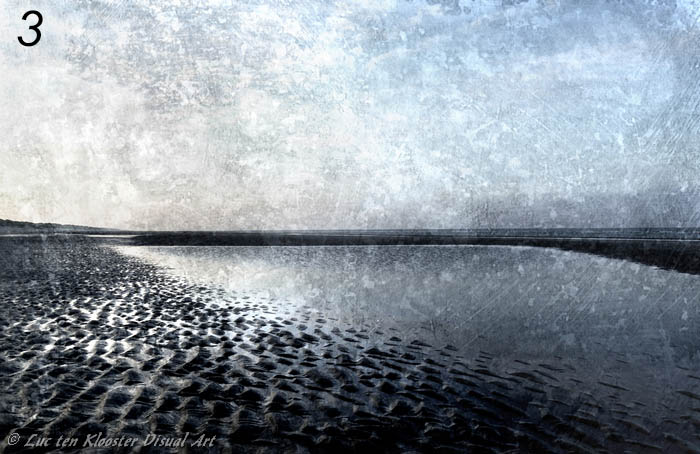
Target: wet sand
(94,341)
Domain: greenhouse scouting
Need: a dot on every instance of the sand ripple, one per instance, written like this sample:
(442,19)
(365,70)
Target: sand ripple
(93,341)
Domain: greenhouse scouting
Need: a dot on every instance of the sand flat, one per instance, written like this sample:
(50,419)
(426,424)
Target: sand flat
(94,340)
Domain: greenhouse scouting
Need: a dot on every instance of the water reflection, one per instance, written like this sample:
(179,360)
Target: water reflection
(520,301)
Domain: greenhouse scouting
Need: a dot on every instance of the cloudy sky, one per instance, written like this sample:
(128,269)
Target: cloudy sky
(351,114)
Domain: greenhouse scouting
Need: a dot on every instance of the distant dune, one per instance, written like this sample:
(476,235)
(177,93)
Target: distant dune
(355,236)
(669,248)
(18,227)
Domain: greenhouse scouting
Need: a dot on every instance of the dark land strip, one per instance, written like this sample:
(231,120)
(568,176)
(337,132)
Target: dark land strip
(667,251)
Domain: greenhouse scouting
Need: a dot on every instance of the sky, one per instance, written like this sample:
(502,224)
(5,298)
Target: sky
(219,115)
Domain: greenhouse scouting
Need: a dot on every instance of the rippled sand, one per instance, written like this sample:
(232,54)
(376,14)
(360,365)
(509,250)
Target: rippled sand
(95,341)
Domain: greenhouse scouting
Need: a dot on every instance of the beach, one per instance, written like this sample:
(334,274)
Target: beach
(96,339)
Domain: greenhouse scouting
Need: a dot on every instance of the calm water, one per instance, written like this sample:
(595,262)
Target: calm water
(530,302)
(599,320)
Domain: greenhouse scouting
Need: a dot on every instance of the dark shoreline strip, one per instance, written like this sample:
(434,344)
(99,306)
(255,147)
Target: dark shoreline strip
(678,254)
(681,255)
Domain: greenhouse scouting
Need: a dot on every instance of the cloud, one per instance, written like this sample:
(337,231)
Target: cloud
(223,115)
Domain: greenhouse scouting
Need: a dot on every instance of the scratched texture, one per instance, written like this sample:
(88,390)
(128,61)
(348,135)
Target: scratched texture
(354,114)
(357,114)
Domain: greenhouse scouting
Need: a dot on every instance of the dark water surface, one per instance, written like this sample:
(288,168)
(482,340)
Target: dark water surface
(615,322)
(609,325)
(509,300)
